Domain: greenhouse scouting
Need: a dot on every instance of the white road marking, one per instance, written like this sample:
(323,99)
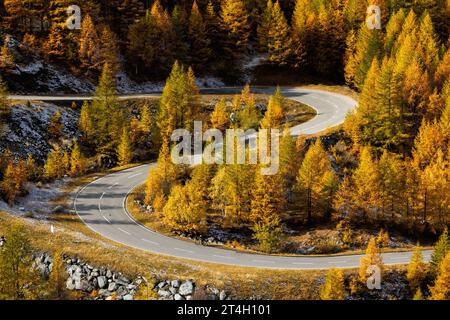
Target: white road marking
(103,194)
(126,232)
(134,175)
(223,257)
(113,185)
(302,263)
(334,262)
(263,261)
(183,250)
(151,242)
(106,219)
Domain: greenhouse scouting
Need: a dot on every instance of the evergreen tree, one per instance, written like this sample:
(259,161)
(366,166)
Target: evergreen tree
(333,288)
(314,179)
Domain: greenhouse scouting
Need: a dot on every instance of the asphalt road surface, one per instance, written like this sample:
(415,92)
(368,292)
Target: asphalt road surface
(101,204)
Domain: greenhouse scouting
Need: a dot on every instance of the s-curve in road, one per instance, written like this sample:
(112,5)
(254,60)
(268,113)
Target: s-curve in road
(101,205)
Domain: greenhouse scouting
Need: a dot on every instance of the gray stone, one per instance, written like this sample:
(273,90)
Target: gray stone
(178,297)
(112,286)
(102,281)
(175,283)
(164,294)
(188,297)
(128,297)
(109,274)
(222,295)
(172,290)
(70,285)
(121,291)
(186,288)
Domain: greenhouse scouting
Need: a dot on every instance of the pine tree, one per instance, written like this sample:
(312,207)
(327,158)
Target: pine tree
(313,181)
(125,150)
(441,248)
(441,288)
(417,270)
(333,288)
(372,258)
(219,117)
(17,279)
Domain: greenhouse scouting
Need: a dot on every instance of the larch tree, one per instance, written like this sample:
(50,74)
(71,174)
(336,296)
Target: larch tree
(89,52)
(372,258)
(85,121)
(17,279)
(279,40)
(54,166)
(417,270)
(5,109)
(441,248)
(264,26)
(125,149)
(198,40)
(219,117)
(185,210)
(314,180)
(274,115)
(57,278)
(441,288)
(334,287)
(235,21)
(77,162)
(55,126)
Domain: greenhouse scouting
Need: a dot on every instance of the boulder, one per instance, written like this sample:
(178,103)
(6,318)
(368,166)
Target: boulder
(101,282)
(186,288)
(178,297)
(175,283)
(112,286)
(128,297)
(222,295)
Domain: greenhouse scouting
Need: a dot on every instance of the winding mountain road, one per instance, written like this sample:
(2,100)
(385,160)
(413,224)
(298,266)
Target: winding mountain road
(101,205)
